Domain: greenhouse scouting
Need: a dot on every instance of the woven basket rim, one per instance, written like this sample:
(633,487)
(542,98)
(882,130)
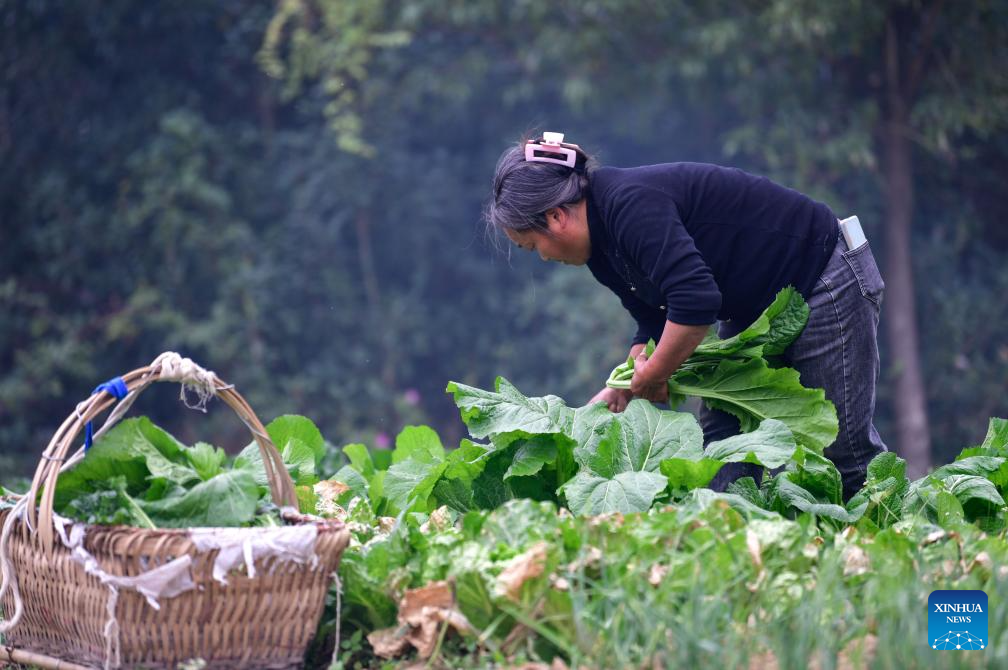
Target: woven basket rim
(164,368)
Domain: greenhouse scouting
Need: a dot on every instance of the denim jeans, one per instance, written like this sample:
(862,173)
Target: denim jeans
(837,352)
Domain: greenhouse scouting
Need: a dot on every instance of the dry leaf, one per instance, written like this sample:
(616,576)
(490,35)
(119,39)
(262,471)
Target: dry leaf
(328,491)
(752,544)
(425,611)
(435,594)
(590,559)
(520,569)
(389,642)
(657,573)
(430,620)
(331,488)
(438,520)
(855,560)
(983,560)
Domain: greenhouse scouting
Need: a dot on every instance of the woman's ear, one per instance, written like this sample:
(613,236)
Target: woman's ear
(556,216)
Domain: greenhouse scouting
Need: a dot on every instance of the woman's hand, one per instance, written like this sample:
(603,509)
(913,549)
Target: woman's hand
(645,384)
(615,399)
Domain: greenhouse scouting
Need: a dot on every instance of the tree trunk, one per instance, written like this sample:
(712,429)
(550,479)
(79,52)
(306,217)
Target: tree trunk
(909,402)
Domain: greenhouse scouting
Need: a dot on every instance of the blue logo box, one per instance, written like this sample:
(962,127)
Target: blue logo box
(957,620)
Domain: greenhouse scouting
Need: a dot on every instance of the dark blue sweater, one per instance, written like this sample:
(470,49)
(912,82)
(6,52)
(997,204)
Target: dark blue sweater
(694,243)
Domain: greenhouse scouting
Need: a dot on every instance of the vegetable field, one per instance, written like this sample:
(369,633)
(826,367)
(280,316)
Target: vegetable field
(628,567)
(556,536)
(559,540)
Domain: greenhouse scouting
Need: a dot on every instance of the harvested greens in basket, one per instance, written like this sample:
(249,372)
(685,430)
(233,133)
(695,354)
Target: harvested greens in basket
(139,475)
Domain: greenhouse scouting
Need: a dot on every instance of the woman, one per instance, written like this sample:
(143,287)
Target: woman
(686,244)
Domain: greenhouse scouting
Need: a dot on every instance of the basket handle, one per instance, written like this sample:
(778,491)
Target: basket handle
(168,367)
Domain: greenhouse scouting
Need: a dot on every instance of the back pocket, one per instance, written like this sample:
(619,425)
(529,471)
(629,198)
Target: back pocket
(862,264)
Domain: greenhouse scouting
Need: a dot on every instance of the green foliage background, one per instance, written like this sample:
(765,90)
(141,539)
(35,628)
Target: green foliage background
(290,192)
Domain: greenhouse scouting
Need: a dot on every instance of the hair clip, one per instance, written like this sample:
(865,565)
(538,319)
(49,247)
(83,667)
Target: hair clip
(552,149)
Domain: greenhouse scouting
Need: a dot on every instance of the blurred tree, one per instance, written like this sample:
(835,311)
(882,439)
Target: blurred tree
(871,86)
(314,238)
(838,100)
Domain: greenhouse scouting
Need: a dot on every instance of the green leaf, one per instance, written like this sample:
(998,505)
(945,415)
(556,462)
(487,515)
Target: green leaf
(135,449)
(688,474)
(997,435)
(774,330)
(793,495)
(993,468)
(466,462)
(297,456)
(615,451)
(884,491)
(358,485)
(456,494)
(376,489)
(295,429)
(770,445)
(229,499)
(817,475)
(409,483)
(977,494)
(532,454)
(417,440)
(360,459)
(608,480)
(703,499)
(746,488)
(489,490)
(754,392)
(112,506)
(625,492)
(506,411)
(307,499)
(651,435)
(589,425)
(788,315)
(205,459)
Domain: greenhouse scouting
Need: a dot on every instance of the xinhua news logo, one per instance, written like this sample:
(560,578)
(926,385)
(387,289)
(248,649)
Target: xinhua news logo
(957,620)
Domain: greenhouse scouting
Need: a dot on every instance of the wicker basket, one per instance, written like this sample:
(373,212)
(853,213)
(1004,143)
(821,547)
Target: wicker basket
(260,621)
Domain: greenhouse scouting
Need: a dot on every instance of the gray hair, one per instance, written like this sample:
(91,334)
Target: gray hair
(523,191)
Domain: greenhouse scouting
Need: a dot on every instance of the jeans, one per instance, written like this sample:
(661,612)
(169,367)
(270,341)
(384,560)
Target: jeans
(837,352)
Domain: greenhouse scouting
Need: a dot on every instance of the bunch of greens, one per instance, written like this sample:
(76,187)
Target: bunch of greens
(139,475)
(741,375)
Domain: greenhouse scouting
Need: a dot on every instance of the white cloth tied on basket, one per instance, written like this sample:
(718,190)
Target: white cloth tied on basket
(245,545)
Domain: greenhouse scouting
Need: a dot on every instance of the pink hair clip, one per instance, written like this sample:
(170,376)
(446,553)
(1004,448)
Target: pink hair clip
(552,149)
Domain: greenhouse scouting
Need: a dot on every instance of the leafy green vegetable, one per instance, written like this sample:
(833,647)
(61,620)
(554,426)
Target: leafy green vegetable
(507,415)
(884,491)
(137,474)
(227,499)
(621,474)
(770,445)
(291,431)
(206,459)
(733,375)
(111,506)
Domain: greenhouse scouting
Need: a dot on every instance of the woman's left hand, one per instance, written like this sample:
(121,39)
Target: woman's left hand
(644,385)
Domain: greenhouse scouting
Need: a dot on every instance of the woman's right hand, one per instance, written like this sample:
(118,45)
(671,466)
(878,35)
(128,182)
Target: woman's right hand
(615,399)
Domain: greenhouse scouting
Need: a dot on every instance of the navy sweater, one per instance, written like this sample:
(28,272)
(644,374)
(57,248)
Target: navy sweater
(694,243)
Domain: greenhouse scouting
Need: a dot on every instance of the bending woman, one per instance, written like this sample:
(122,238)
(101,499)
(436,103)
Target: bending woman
(685,245)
